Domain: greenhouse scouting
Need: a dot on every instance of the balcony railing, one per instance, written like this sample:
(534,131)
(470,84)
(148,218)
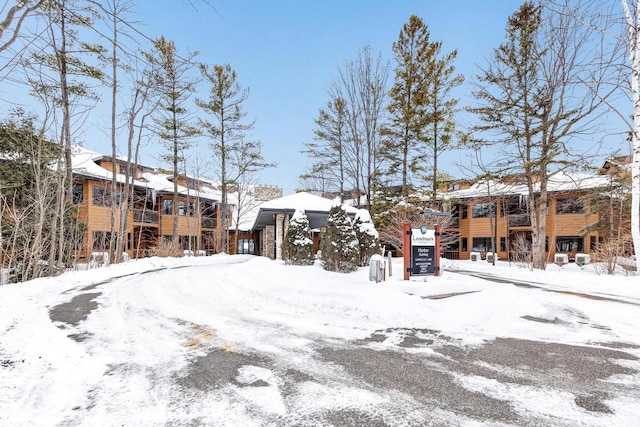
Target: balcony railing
(519,220)
(145,216)
(450,254)
(209,223)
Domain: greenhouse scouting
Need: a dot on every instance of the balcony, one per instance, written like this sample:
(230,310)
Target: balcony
(145,216)
(519,220)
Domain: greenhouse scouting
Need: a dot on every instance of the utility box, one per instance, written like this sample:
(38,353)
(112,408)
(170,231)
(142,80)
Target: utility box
(491,256)
(475,256)
(377,269)
(561,259)
(583,259)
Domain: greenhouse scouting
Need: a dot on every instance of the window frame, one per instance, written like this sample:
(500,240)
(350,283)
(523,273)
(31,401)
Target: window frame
(104,199)
(570,206)
(483,210)
(78,193)
(251,247)
(476,247)
(569,240)
(464,211)
(101,241)
(167,206)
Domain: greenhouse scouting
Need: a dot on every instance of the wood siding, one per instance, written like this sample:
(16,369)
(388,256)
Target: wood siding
(563,224)
(98,219)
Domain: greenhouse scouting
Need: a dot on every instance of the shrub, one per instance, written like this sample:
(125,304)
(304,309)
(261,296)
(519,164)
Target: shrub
(168,248)
(369,243)
(340,250)
(297,247)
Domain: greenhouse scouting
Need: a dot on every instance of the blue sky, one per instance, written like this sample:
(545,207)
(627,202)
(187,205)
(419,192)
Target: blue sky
(287,52)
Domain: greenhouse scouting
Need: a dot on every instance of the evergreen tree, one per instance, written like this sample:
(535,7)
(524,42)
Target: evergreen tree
(227,130)
(297,247)
(368,240)
(340,250)
(439,107)
(172,121)
(421,107)
(412,49)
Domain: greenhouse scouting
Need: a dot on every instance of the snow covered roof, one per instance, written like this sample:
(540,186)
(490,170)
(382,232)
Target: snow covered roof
(316,208)
(85,163)
(560,182)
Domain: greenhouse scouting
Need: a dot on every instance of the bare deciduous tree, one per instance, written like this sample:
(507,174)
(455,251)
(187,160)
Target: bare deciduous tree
(541,94)
(362,86)
(16,13)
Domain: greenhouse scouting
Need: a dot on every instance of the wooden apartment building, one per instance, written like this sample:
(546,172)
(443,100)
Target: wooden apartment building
(502,210)
(200,217)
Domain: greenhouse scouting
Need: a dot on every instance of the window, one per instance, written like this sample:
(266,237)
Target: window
(569,244)
(78,194)
(453,187)
(518,205)
(463,244)
(482,244)
(569,206)
(188,242)
(464,211)
(78,243)
(123,170)
(101,240)
(246,246)
(503,244)
(167,207)
(192,185)
(594,241)
(453,246)
(101,196)
(484,210)
(186,209)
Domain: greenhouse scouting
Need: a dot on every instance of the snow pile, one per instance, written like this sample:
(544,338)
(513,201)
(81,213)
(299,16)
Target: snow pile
(134,359)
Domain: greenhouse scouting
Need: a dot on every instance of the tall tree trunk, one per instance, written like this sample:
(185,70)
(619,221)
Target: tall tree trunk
(633,23)
(175,173)
(66,112)
(114,242)
(539,255)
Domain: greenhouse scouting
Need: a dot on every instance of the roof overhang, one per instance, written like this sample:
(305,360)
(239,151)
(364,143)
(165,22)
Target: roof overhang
(317,219)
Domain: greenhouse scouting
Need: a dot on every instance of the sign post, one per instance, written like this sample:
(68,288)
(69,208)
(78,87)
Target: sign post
(406,234)
(422,251)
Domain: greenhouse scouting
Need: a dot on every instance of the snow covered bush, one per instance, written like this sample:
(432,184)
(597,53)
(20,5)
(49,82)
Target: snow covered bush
(340,250)
(297,247)
(368,240)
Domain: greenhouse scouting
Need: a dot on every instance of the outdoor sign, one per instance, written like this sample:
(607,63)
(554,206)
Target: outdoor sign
(423,251)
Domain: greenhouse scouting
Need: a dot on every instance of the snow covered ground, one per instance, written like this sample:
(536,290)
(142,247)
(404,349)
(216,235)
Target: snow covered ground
(241,340)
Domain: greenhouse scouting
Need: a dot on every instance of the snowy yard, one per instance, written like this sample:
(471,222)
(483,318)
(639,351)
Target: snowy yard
(240,340)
